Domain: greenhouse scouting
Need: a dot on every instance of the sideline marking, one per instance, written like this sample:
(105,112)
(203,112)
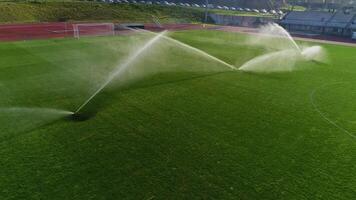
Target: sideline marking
(312,93)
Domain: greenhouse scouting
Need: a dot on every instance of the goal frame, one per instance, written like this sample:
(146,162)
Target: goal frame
(77,34)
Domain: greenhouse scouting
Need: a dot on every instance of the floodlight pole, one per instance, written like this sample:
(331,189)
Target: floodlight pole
(206,10)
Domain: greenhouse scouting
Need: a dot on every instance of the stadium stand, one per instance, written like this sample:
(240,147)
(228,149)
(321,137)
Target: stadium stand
(245,21)
(352,24)
(311,21)
(339,23)
(309,18)
(340,20)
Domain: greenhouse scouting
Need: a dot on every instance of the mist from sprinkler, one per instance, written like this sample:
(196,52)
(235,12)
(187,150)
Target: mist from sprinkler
(136,56)
(282,51)
(23,119)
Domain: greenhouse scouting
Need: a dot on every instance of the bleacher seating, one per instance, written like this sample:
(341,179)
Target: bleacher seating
(309,18)
(340,20)
(353,24)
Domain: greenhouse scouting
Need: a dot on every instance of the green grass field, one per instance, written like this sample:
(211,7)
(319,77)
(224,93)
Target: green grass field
(207,133)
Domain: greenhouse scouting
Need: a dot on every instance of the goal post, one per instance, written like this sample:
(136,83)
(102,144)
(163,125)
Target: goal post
(93,29)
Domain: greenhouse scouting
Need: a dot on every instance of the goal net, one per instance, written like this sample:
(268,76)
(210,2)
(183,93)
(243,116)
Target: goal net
(93,29)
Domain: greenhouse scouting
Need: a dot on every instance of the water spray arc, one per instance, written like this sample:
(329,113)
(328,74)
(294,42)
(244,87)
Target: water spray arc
(280,31)
(16,120)
(201,52)
(184,45)
(286,51)
(122,67)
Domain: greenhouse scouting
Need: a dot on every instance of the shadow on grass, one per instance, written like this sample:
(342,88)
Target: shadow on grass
(109,95)
(320,63)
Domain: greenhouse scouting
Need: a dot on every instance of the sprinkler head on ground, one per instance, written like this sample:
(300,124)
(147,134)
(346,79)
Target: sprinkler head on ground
(79,117)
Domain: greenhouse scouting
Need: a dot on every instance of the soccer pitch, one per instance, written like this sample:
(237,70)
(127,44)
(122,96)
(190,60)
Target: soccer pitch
(182,127)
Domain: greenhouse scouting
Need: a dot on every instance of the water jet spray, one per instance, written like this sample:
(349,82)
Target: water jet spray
(118,70)
(184,45)
(285,57)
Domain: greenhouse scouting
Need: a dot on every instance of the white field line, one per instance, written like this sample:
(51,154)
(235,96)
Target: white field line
(312,93)
(60,31)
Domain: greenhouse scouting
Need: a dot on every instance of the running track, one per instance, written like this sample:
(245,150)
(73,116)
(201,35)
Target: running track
(14,32)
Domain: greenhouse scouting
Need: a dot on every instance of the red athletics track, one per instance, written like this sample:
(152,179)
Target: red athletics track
(174,27)
(13,32)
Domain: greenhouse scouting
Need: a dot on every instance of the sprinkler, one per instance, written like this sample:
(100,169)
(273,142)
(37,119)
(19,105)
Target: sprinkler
(79,117)
(119,70)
